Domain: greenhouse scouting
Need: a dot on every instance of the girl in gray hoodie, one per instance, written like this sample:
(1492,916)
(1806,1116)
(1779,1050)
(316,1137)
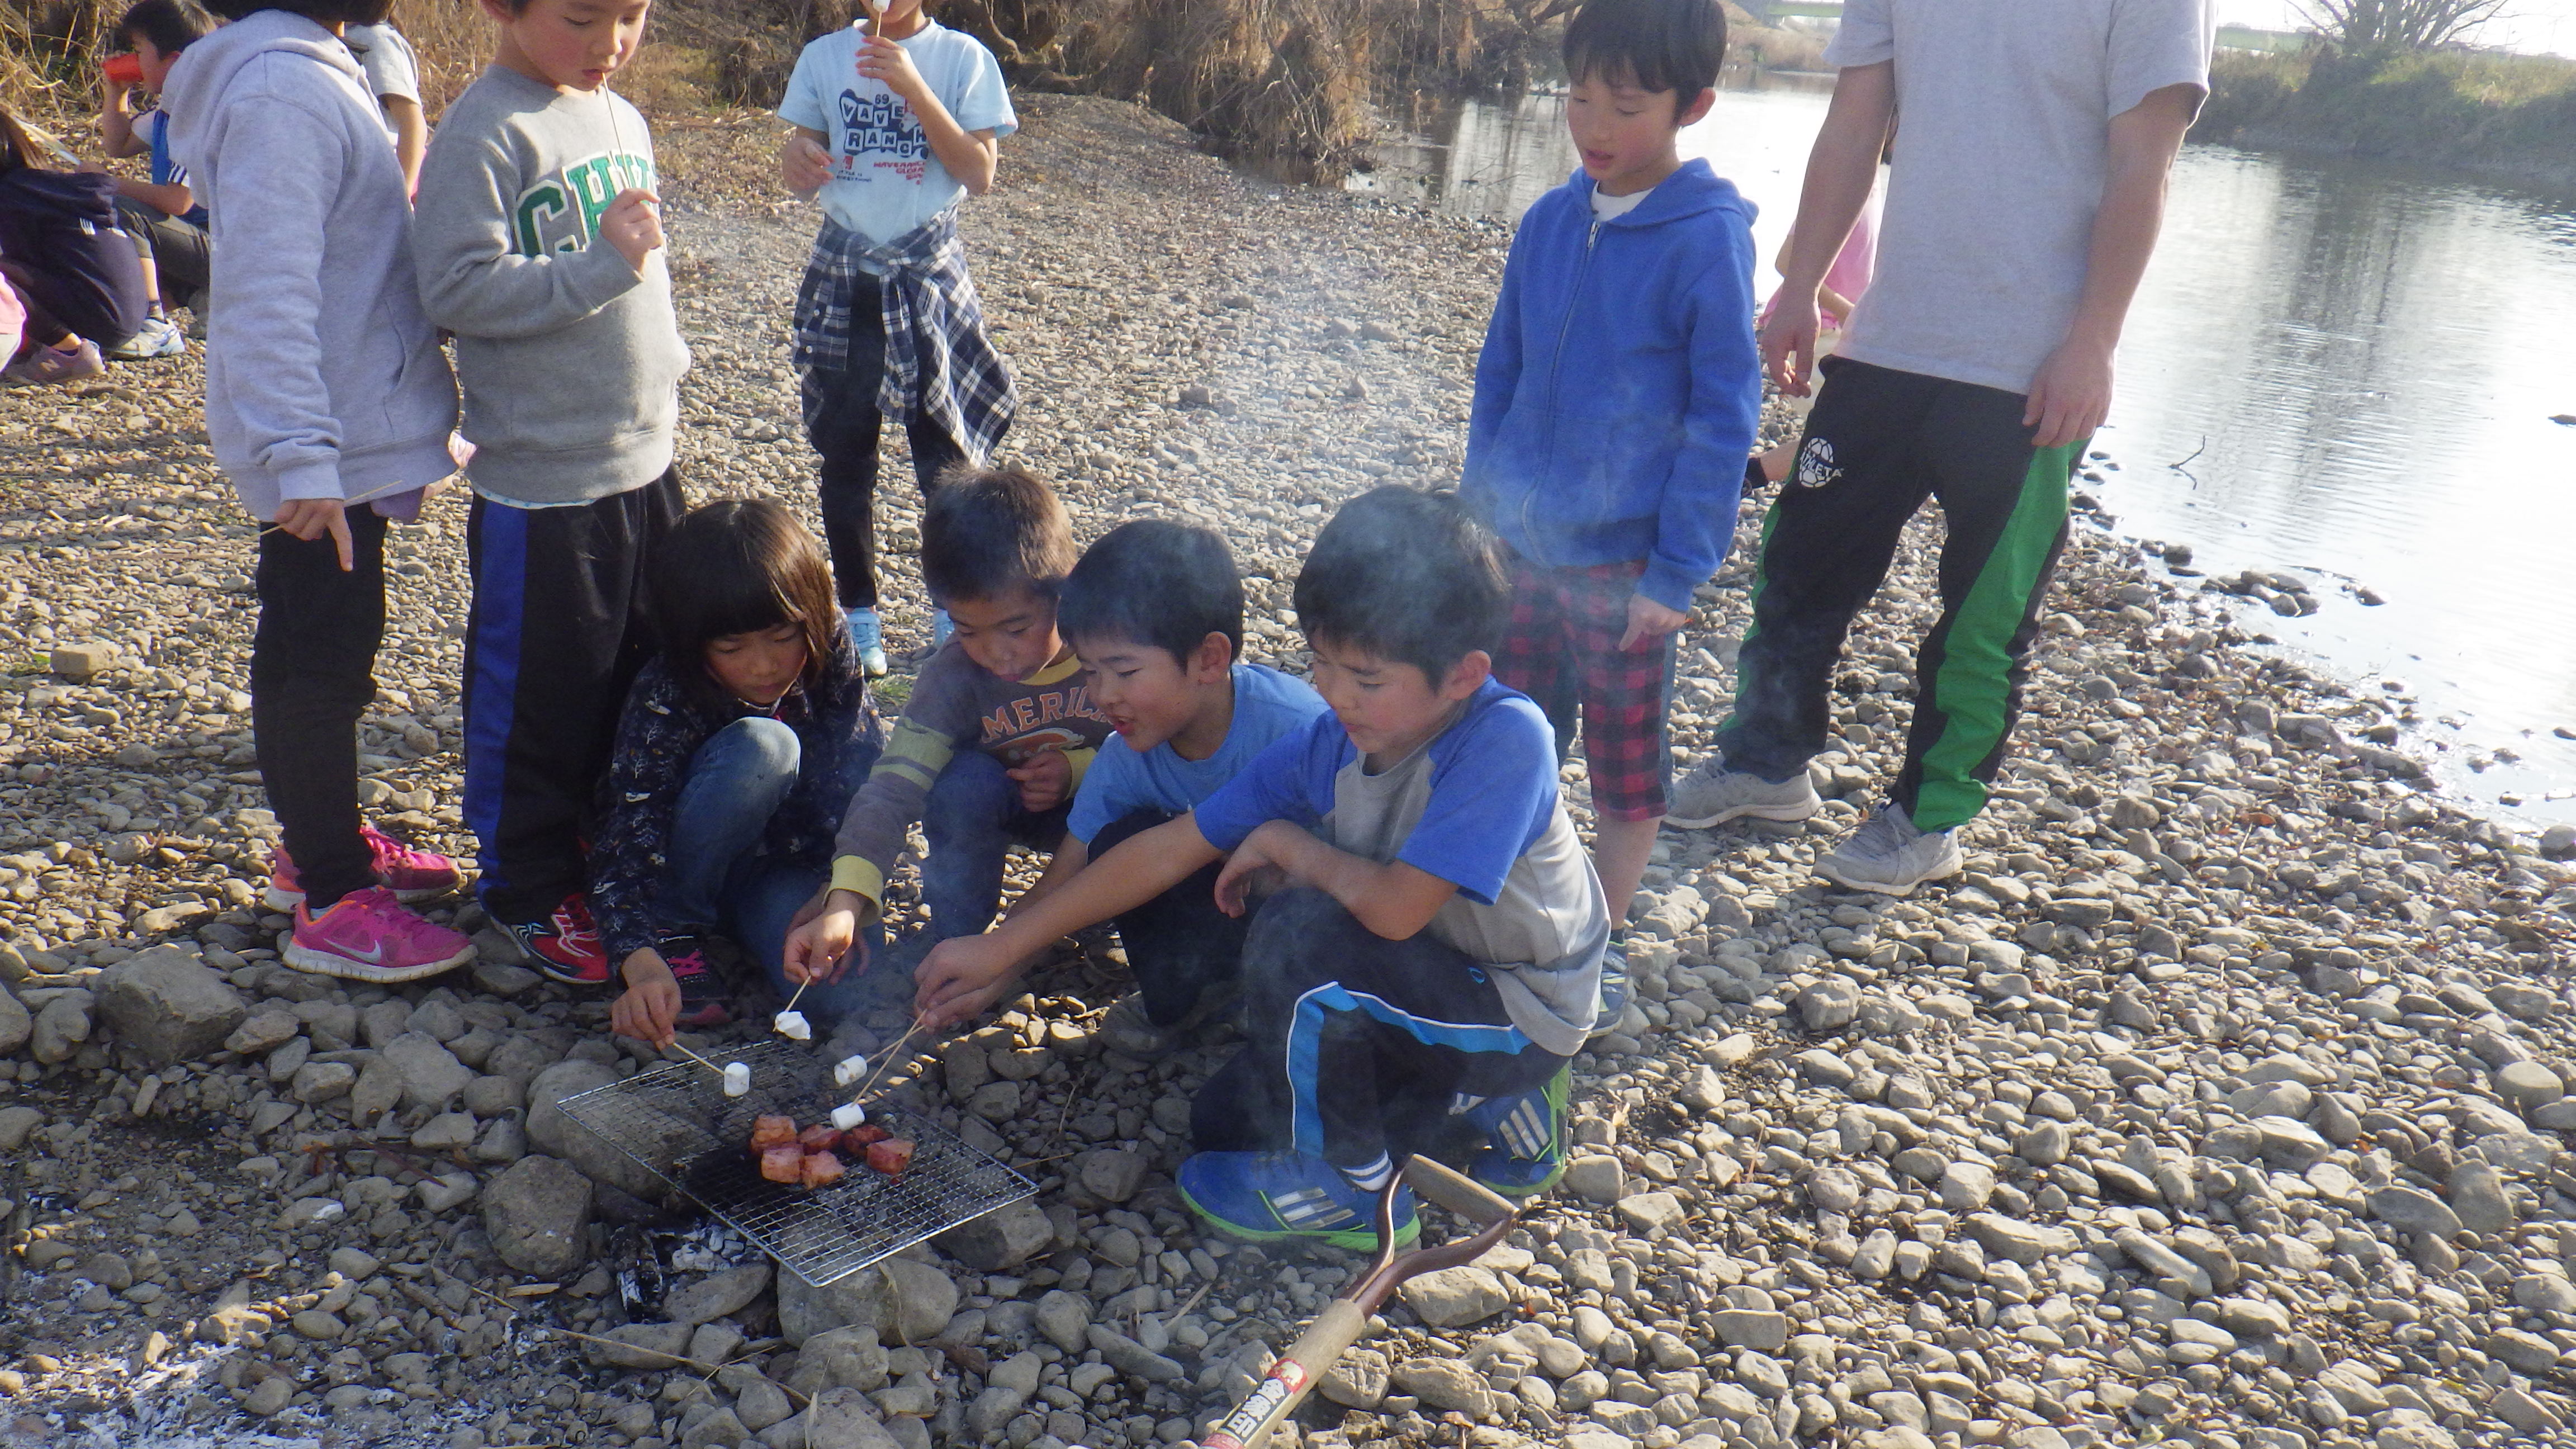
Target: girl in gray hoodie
(329,406)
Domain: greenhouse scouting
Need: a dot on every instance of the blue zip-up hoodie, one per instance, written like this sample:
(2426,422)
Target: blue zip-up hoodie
(1619,386)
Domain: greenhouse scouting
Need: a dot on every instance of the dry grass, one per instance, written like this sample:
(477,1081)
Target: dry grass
(2509,115)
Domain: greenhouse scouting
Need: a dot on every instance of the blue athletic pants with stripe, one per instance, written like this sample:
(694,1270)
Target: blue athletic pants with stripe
(1359,1047)
(557,633)
(1879,443)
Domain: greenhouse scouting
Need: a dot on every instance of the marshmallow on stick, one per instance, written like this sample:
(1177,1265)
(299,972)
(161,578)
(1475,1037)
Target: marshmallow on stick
(792,1025)
(737,1079)
(848,1115)
(850,1070)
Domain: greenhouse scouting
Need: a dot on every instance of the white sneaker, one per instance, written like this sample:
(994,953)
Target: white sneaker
(1888,855)
(1712,794)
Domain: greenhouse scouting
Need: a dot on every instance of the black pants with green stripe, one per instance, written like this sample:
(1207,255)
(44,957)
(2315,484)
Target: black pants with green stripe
(1879,442)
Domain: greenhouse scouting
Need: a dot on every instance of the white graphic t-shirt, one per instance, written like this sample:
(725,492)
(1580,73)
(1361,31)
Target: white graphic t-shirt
(885,180)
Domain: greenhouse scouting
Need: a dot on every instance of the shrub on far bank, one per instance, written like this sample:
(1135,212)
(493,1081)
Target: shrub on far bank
(2510,115)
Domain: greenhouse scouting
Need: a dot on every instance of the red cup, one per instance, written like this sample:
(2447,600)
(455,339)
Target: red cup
(123,70)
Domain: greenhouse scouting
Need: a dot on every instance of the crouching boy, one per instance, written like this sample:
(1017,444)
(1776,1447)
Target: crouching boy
(1431,960)
(1155,612)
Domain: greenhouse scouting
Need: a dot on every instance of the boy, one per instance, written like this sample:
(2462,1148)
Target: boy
(996,734)
(163,215)
(1615,403)
(2020,215)
(894,125)
(393,78)
(1436,957)
(1155,610)
(540,247)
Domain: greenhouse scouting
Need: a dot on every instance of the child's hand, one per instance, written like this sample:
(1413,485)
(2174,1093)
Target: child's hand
(881,59)
(310,518)
(633,224)
(1790,332)
(1046,779)
(803,164)
(825,947)
(1267,854)
(959,979)
(1649,620)
(649,1012)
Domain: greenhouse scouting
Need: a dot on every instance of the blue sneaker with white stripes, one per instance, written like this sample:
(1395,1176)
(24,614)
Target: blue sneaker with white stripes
(1527,1130)
(1270,1197)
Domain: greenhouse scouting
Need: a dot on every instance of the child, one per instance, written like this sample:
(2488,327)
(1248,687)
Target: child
(163,216)
(325,388)
(2024,204)
(1436,959)
(893,127)
(1846,281)
(741,743)
(1615,403)
(996,735)
(541,249)
(393,78)
(1155,610)
(73,268)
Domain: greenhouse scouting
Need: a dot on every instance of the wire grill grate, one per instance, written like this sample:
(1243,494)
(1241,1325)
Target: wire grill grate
(676,1120)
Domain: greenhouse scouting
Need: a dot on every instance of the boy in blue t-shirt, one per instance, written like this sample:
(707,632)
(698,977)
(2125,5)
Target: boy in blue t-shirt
(163,215)
(894,126)
(1434,961)
(1155,610)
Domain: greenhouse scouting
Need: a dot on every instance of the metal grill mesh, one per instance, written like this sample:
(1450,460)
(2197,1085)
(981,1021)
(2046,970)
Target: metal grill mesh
(676,1120)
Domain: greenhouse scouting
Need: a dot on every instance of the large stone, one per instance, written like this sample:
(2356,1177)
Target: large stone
(1443,1383)
(2480,1199)
(168,1005)
(722,1429)
(537,1213)
(1456,1297)
(849,1358)
(16,1123)
(379,1091)
(16,1023)
(1064,1319)
(1357,1380)
(431,1074)
(262,1031)
(2021,1242)
(1110,1174)
(904,1301)
(641,1346)
(1132,1358)
(843,1419)
(2413,1210)
(718,1295)
(551,1131)
(1004,1238)
(1753,1328)
(61,1025)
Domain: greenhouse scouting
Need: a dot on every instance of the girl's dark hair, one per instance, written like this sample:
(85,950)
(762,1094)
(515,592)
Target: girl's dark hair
(1157,582)
(1664,45)
(320,12)
(987,531)
(739,567)
(171,25)
(1407,576)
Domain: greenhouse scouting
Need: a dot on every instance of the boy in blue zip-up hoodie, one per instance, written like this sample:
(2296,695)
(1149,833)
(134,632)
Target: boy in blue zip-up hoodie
(1615,403)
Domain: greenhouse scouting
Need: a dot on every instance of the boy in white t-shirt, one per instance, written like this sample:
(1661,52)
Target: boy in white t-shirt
(393,78)
(895,123)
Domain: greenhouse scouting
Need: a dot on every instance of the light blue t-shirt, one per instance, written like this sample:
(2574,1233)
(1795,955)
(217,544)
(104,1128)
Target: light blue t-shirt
(1121,781)
(885,178)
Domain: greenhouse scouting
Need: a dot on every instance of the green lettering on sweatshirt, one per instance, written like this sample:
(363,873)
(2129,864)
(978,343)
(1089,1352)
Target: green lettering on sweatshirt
(560,213)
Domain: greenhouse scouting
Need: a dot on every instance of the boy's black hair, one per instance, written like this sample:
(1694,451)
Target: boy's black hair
(1660,45)
(987,531)
(171,25)
(320,12)
(1154,581)
(738,567)
(1405,575)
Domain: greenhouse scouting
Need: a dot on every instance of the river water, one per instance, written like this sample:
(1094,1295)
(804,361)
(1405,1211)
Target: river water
(2342,370)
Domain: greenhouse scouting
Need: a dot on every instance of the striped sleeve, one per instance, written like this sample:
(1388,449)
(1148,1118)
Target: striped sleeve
(880,815)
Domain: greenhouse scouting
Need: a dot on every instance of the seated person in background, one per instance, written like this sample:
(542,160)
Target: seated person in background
(1155,610)
(996,735)
(739,746)
(73,266)
(163,216)
(1434,961)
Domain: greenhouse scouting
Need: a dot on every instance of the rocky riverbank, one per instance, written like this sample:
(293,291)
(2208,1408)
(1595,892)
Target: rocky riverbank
(2222,1101)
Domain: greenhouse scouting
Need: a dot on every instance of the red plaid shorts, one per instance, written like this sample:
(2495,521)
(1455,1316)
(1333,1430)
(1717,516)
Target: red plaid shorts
(1562,650)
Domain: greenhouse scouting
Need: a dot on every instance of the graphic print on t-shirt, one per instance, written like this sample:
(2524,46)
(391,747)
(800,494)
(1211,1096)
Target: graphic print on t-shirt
(1020,729)
(877,125)
(560,213)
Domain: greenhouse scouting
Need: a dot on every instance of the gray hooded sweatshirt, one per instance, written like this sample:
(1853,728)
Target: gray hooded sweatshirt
(323,377)
(571,358)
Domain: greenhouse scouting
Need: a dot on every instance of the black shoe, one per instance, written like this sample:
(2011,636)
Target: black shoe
(706,966)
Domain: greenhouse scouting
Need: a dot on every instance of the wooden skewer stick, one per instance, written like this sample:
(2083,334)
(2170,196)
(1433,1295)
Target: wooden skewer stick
(693,1056)
(886,1061)
(792,998)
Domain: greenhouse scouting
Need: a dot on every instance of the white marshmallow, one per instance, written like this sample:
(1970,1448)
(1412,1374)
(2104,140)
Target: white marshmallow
(850,1070)
(737,1078)
(792,1025)
(848,1115)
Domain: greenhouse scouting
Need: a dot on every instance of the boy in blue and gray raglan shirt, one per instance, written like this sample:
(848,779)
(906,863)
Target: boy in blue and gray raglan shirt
(894,127)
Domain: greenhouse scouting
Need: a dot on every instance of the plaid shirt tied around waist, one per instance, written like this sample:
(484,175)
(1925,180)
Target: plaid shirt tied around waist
(929,308)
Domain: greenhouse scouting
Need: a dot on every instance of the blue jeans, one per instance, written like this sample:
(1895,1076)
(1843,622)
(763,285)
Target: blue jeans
(721,880)
(971,819)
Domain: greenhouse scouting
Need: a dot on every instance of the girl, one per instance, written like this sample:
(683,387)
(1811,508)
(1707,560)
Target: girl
(74,271)
(325,389)
(740,746)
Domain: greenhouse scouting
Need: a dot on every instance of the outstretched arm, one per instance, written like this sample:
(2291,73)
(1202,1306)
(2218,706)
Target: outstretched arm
(2072,393)
(1840,171)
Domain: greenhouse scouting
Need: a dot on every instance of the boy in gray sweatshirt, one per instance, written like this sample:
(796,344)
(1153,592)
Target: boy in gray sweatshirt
(539,243)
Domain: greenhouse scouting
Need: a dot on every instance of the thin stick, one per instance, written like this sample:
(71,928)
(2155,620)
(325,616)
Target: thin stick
(693,1056)
(886,1062)
(800,991)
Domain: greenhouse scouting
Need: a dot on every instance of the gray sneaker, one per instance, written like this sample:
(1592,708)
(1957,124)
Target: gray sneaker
(1888,855)
(1712,794)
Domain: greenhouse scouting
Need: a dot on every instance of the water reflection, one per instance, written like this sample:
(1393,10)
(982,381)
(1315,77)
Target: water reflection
(2354,365)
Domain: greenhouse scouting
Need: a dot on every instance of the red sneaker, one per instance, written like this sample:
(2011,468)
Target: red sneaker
(410,873)
(368,936)
(565,945)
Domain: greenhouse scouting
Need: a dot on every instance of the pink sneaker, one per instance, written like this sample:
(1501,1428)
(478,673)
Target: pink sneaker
(368,936)
(411,874)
